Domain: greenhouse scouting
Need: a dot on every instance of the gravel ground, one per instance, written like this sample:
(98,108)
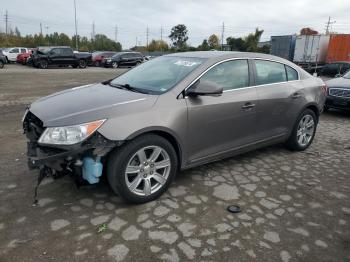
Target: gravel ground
(295,205)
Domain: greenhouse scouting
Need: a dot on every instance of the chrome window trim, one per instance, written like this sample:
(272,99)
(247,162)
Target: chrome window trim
(244,58)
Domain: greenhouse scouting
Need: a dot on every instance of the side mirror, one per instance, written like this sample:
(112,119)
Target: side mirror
(204,88)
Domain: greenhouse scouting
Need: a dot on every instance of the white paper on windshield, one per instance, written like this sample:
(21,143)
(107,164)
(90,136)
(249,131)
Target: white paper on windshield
(186,63)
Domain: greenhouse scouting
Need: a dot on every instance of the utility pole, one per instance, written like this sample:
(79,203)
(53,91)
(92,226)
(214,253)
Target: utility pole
(147,33)
(47,34)
(93,31)
(222,35)
(161,39)
(6,22)
(136,42)
(76,28)
(329,25)
(41,29)
(116,33)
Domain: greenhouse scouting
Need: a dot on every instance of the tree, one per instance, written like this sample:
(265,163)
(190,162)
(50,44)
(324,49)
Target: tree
(308,31)
(252,40)
(236,44)
(157,45)
(204,46)
(213,41)
(178,36)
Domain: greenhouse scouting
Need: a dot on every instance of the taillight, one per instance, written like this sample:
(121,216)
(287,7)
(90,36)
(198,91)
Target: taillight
(325,89)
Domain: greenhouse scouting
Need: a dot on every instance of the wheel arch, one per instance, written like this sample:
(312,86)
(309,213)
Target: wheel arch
(165,133)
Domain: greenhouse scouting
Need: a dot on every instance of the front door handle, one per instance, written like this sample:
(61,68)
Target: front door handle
(296,95)
(248,106)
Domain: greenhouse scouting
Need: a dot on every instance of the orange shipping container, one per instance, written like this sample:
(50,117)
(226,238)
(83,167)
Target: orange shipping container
(338,48)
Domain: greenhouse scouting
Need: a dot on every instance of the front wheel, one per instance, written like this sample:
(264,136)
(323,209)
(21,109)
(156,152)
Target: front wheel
(43,64)
(304,131)
(141,170)
(115,65)
(1,64)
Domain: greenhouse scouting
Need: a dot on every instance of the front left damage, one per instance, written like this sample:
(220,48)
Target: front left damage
(84,161)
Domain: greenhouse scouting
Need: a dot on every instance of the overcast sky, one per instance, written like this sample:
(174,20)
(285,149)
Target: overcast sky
(202,17)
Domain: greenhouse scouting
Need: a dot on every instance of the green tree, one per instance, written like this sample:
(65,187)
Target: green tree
(204,46)
(252,40)
(236,44)
(157,45)
(213,41)
(179,36)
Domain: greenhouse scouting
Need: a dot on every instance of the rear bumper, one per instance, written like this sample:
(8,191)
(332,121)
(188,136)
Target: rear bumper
(337,102)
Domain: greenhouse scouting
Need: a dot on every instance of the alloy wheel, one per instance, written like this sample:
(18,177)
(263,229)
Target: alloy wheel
(114,64)
(305,130)
(147,170)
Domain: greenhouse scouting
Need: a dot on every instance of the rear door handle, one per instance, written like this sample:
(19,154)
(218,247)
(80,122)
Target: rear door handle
(296,95)
(248,105)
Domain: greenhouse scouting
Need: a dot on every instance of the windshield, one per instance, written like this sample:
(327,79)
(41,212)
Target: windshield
(158,75)
(347,75)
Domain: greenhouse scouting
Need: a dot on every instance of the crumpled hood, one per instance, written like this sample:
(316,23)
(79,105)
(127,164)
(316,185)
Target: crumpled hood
(88,103)
(339,82)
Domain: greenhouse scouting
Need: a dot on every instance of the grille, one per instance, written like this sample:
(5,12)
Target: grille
(339,92)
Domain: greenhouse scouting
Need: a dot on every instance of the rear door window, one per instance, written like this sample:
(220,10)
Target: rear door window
(292,74)
(66,51)
(23,50)
(268,72)
(15,50)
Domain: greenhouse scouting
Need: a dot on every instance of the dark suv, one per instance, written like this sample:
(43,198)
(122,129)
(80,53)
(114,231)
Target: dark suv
(124,59)
(2,59)
(61,56)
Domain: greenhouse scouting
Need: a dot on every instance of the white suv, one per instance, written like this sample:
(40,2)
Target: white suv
(12,53)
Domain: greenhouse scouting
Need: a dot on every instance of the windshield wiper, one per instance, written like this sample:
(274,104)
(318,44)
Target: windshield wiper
(128,87)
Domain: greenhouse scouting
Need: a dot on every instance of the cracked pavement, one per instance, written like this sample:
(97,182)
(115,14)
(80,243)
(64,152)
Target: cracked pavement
(295,205)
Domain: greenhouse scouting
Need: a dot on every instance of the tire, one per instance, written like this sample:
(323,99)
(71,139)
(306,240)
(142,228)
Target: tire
(115,64)
(325,108)
(97,63)
(82,63)
(1,64)
(295,141)
(43,64)
(121,157)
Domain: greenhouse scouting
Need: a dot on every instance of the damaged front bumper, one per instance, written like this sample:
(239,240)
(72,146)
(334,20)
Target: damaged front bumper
(84,160)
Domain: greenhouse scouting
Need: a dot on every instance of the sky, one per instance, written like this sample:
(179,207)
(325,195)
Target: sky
(202,17)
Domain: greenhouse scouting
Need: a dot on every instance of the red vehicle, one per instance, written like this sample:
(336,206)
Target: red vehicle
(23,57)
(97,57)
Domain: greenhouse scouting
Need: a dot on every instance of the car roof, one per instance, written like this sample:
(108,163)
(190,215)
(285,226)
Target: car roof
(226,54)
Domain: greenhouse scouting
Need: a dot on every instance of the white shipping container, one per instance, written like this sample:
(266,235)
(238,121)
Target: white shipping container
(311,48)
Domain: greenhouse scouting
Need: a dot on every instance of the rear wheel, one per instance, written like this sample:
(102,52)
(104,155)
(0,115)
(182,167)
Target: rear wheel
(142,170)
(1,64)
(97,63)
(303,132)
(82,63)
(43,64)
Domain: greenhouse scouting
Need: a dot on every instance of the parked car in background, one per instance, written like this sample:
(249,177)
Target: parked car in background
(338,95)
(2,60)
(124,59)
(171,113)
(98,57)
(334,69)
(23,57)
(12,53)
(59,55)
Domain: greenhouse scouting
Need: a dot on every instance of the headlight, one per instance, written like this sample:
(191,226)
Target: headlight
(109,60)
(69,135)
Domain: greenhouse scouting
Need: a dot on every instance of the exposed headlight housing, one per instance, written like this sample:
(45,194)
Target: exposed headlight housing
(69,135)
